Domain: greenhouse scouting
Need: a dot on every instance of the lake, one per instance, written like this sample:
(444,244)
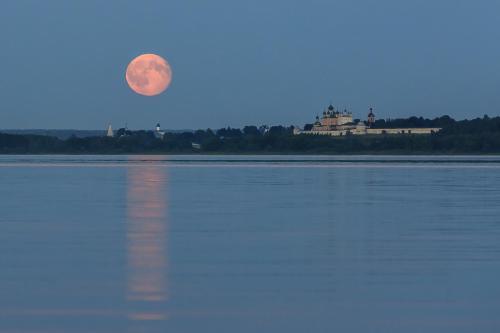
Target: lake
(249,244)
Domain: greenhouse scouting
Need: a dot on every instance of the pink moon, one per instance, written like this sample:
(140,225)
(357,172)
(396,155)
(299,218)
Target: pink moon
(149,75)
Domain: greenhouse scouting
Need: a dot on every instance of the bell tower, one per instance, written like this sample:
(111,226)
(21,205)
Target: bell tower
(371,118)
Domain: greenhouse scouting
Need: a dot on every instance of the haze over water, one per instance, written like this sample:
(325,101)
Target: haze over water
(249,244)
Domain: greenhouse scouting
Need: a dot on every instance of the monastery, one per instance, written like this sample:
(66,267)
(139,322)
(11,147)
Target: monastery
(339,123)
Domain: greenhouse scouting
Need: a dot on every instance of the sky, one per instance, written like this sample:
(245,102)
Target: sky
(238,63)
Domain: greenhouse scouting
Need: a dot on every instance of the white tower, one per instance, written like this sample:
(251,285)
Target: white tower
(158,132)
(110,133)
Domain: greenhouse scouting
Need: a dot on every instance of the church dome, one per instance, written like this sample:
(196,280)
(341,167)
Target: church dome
(330,107)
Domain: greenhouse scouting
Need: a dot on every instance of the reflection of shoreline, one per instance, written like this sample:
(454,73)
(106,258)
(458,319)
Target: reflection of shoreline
(146,241)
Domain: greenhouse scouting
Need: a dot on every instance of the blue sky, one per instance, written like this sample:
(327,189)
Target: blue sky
(246,62)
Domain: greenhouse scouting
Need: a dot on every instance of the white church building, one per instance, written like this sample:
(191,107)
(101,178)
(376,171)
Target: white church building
(339,123)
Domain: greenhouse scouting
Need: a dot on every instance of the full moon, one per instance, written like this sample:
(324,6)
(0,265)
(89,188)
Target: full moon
(149,75)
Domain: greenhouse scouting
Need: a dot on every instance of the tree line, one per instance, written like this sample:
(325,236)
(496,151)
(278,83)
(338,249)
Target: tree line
(481,135)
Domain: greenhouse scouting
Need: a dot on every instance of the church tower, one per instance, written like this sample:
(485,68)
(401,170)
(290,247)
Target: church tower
(371,118)
(159,134)
(110,133)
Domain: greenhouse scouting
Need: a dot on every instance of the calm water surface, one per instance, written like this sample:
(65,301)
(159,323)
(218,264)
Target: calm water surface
(249,244)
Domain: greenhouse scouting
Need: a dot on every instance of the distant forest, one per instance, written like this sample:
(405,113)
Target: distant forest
(477,136)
